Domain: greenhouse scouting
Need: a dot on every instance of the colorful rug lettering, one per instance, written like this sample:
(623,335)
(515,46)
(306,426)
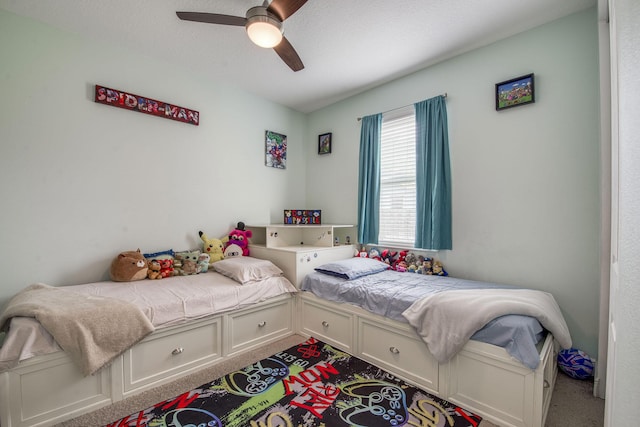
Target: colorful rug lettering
(308,385)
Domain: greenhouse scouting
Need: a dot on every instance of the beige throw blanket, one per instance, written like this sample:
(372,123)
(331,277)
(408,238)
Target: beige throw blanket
(92,330)
(447,320)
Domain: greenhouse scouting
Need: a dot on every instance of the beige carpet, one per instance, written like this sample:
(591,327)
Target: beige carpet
(572,404)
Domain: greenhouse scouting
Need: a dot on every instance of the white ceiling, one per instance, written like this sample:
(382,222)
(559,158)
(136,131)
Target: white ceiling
(347,46)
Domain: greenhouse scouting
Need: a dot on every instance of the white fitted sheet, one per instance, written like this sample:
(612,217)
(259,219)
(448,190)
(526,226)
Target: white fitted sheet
(166,302)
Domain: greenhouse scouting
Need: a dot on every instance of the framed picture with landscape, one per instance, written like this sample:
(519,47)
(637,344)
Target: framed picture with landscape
(515,92)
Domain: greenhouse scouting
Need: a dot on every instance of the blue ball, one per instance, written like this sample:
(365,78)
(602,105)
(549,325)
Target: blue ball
(575,363)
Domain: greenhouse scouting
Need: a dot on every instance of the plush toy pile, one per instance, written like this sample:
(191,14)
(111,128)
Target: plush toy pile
(133,265)
(405,261)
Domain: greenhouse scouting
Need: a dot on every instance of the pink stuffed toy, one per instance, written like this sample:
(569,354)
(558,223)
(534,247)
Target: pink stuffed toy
(238,243)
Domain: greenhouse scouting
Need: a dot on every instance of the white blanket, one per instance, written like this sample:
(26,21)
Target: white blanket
(92,330)
(447,320)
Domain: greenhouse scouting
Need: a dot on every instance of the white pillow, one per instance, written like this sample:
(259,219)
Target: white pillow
(352,268)
(244,269)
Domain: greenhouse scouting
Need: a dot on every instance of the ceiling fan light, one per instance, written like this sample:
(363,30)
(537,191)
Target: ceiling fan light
(264,31)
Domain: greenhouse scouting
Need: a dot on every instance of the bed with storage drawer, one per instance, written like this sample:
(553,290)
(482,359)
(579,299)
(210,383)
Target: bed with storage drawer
(196,321)
(403,322)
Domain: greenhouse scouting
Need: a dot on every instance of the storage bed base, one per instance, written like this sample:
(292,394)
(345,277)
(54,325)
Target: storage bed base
(50,389)
(482,378)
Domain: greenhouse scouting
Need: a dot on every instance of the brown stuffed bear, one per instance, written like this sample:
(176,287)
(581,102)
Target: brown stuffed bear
(129,266)
(154,270)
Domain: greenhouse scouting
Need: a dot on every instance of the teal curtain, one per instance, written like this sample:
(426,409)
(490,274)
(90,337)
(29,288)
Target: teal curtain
(369,179)
(433,175)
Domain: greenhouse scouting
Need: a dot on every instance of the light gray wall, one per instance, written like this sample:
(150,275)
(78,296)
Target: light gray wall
(525,180)
(81,181)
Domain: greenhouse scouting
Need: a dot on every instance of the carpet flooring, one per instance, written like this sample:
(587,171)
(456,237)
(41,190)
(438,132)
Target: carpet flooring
(572,404)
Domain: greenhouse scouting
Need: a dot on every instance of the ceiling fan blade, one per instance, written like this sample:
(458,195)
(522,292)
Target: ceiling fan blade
(212,18)
(289,55)
(285,8)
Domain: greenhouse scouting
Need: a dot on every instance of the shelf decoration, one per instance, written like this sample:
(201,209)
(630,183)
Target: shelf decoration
(131,102)
(302,216)
(276,150)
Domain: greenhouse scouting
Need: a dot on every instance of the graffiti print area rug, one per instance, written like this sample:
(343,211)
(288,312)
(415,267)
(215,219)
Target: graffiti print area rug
(309,385)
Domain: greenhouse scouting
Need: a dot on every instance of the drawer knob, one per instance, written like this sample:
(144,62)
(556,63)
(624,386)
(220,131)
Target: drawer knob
(177,350)
(325,323)
(394,350)
(262,324)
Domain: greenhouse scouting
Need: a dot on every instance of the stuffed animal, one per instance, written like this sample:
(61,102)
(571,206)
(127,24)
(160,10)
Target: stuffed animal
(412,260)
(203,263)
(362,253)
(213,247)
(129,266)
(238,243)
(438,269)
(166,267)
(154,270)
(188,261)
(388,256)
(374,253)
(400,264)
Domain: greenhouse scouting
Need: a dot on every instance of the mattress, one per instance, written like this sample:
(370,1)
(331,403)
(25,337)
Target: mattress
(167,302)
(390,293)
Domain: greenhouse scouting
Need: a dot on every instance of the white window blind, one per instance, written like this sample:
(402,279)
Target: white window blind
(398,179)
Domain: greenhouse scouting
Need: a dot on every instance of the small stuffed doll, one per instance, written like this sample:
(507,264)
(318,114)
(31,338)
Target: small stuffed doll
(412,261)
(188,262)
(154,270)
(166,267)
(238,243)
(213,247)
(129,266)
(374,253)
(438,269)
(388,256)
(203,263)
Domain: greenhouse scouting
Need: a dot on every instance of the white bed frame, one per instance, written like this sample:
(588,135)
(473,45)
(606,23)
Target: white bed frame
(46,390)
(482,378)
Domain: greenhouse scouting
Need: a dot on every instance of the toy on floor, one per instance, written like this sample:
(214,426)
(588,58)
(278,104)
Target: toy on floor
(129,266)
(575,363)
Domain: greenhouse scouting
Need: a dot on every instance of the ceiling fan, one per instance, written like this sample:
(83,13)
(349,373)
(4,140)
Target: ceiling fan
(263,25)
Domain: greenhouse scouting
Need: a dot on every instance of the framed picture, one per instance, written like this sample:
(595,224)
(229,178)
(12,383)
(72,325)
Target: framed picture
(275,150)
(324,143)
(515,92)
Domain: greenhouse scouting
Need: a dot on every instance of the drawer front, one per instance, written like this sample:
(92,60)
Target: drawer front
(50,388)
(253,327)
(172,352)
(399,352)
(332,327)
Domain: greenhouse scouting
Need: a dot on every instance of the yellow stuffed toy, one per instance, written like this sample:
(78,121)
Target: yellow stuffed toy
(213,247)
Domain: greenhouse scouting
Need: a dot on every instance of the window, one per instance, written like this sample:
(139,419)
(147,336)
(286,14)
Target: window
(398,179)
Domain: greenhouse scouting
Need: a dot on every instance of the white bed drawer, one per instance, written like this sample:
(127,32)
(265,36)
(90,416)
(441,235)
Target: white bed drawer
(256,326)
(51,388)
(331,326)
(399,351)
(172,351)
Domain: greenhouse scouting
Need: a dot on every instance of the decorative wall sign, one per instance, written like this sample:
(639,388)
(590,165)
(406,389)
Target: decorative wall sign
(514,92)
(275,150)
(129,101)
(324,143)
(302,216)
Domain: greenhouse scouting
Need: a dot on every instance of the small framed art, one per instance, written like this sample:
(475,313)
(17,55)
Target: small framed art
(275,149)
(515,92)
(324,143)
